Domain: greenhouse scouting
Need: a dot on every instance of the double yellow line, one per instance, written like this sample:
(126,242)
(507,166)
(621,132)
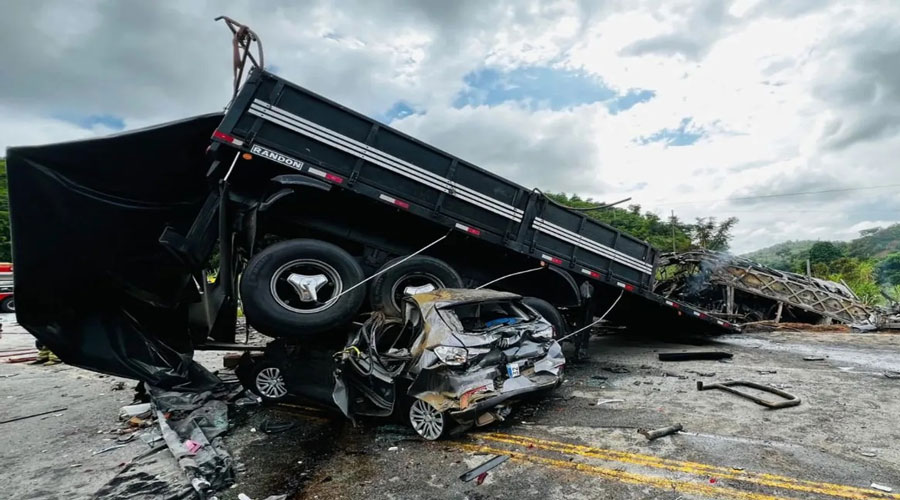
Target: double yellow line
(692,468)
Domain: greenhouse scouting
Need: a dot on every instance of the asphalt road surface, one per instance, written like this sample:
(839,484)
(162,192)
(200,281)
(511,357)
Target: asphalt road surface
(842,437)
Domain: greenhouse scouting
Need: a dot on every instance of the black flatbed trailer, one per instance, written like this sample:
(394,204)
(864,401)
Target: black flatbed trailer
(299,130)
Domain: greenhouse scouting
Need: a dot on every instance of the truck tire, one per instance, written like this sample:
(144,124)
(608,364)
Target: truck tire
(388,289)
(549,312)
(291,288)
(8,305)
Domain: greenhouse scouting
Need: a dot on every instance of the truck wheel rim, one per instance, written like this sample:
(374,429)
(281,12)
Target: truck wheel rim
(415,279)
(427,421)
(287,296)
(270,383)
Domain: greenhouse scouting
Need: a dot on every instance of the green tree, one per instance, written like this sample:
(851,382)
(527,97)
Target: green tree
(888,270)
(711,235)
(824,252)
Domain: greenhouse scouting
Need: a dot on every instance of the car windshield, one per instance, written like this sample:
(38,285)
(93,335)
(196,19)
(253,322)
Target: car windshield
(481,316)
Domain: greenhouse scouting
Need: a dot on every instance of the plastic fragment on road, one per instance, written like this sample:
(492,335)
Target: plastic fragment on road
(192,446)
(605,401)
(881,487)
(480,471)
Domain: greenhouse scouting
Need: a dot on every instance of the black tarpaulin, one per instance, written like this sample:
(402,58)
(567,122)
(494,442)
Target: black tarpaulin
(92,281)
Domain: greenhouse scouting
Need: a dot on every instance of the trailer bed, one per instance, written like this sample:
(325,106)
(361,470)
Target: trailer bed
(292,126)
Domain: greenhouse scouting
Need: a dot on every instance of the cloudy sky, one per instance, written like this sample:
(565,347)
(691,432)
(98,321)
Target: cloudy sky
(697,107)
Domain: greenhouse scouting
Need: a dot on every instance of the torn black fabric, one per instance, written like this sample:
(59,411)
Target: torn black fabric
(92,281)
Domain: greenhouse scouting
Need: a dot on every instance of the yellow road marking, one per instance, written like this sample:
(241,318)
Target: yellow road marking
(765,479)
(627,477)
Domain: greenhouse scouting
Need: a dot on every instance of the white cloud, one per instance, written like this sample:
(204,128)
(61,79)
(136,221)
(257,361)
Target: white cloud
(790,98)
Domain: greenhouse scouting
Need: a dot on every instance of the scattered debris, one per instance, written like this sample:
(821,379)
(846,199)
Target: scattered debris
(691,356)
(658,433)
(740,290)
(23,417)
(605,401)
(393,448)
(139,410)
(767,372)
(616,369)
(192,446)
(126,438)
(702,374)
(892,374)
(881,487)
(790,399)
(275,427)
(867,453)
(675,375)
(109,448)
(118,386)
(481,470)
(813,358)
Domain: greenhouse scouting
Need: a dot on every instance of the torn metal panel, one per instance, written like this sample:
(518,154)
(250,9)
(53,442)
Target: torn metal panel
(710,280)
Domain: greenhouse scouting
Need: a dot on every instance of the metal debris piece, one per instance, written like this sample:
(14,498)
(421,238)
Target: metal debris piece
(790,399)
(691,356)
(483,468)
(881,487)
(658,433)
(738,289)
(892,374)
(604,401)
(813,358)
(16,419)
(616,369)
(109,448)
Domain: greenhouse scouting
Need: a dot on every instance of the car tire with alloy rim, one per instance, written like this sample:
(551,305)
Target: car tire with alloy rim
(294,288)
(388,289)
(267,381)
(428,422)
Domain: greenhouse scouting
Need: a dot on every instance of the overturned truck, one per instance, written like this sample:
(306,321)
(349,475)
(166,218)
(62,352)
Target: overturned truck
(744,291)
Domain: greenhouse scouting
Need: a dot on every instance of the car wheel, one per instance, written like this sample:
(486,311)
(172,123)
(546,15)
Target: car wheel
(8,305)
(294,288)
(549,313)
(426,420)
(388,290)
(268,381)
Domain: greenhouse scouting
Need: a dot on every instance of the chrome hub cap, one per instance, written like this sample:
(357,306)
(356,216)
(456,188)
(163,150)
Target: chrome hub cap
(306,286)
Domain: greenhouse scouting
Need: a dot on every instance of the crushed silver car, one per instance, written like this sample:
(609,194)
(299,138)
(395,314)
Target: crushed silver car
(457,359)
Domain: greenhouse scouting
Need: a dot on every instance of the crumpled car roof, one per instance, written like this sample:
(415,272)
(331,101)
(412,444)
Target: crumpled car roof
(445,297)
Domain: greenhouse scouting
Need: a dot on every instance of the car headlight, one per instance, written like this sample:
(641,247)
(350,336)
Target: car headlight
(456,356)
(453,356)
(545,333)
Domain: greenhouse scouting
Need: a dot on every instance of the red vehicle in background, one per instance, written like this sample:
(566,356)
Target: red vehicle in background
(7,302)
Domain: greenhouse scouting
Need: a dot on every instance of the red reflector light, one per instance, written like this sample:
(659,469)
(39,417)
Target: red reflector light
(630,288)
(401,204)
(474,231)
(333,178)
(726,325)
(595,274)
(223,136)
(701,315)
